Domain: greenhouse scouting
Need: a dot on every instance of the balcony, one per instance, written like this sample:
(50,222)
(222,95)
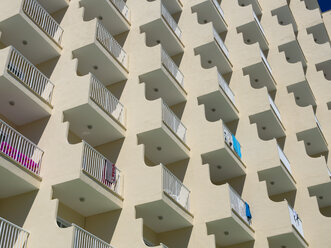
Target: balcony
(164,136)
(101,53)
(304,96)
(319,33)
(164,80)
(165,206)
(111,11)
(164,29)
(25,93)
(82,238)
(20,163)
(313,137)
(253,32)
(32,30)
(220,102)
(260,74)
(302,9)
(285,17)
(290,238)
(12,235)
(215,53)
(255,5)
(93,185)
(323,197)
(226,162)
(269,123)
(211,11)
(230,225)
(277,174)
(325,67)
(96,115)
(293,53)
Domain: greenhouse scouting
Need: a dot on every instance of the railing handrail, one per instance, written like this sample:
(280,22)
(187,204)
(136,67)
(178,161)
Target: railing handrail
(99,167)
(218,7)
(178,183)
(265,61)
(10,235)
(317,122)
(296,221)
(175,123)
(43,19)
(220,42)
(226,88)
(112,46)
(29,74)
(274,107)
(258,23)
(103,97)
(284,159)
(122,7)
(171,21)
(19,148)
(95,239)
(172,67)
(238,206)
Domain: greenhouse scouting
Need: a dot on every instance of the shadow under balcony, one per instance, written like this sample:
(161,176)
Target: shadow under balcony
(211,11)
(303,94)
(323,197)
(166,143)
(255,5)
(20,163)
(220,103)
(96,116)
(93,185)
(25,93)
(268,122)
(164,30)
(33,31)
(278,175)
(225,163)
(285,17)
(165,206)
(293,53)
(165,80)
(230,225)
(103,55)
(111,11)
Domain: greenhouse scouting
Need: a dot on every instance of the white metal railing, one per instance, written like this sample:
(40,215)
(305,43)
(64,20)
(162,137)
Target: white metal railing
(100,168)
(223,84)
(29,75)
(43,19)
(172,67)
(258,23)
(12,236)
(238,204)
(284,159)
(122,7)
(228,139)
(318,123)
(274,107)
(265,61)
(175,188)
(295,220)
(112,46)
(171,21)
(221,43)
(163,246)
(329,171)
(23,151)
(84,239)
(173,122)
(218,7)
(106,100)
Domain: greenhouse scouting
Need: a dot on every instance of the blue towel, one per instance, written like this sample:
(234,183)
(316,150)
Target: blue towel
(236,146)
(248,211)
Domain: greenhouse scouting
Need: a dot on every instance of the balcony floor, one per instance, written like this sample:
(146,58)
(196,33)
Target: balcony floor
(260,76)
(40,46)
(168,88)
(15,179)
(105,128)
(316,139)
(98,198)
(252,32)
(28,106)
(288,240)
